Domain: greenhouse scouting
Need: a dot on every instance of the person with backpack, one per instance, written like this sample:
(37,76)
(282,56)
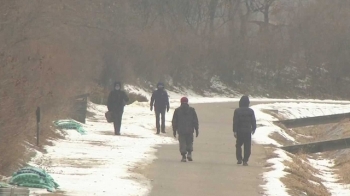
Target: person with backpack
(160,102)
(185,122)
(244,126)
(117,99)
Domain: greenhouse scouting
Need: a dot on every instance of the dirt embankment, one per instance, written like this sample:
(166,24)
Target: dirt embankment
(302,177)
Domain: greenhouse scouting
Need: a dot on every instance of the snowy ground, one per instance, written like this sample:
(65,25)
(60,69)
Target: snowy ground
(100,163)
(292,110)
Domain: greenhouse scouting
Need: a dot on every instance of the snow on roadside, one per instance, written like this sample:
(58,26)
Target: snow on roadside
(291,110)
(273,185)
(100,163)
(330,180)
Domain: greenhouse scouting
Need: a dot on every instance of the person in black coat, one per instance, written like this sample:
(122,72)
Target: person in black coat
(244,125)
(160,101)
(117,99)
(185,122)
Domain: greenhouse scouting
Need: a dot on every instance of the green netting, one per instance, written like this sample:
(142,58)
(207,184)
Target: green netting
(70,124)
(34,178)
(4,185)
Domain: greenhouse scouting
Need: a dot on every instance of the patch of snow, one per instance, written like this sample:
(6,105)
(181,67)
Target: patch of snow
(267,127)
(273,185)
(330,180)
(100,163)
(292,110)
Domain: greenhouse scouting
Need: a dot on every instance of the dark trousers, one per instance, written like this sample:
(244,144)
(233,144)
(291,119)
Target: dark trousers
(160,112)
(243,138)
(186,143)
(117,121)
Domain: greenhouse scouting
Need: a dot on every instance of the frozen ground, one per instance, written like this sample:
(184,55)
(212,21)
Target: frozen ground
(100,163)
(292,110)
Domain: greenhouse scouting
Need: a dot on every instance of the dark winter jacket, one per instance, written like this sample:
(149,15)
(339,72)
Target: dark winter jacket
(185,120)
(244,117)
(160,100)
(117,99)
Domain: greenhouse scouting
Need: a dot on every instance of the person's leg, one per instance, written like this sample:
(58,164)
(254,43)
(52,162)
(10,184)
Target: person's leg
(117,116)
(115,122)
(120,117)
(239,143)
(163,121)
(157,121)
(189,146)
(247,147)
(183,146)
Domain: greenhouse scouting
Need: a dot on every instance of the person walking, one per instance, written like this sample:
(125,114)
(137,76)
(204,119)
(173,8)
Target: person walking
(244,126)
(160,101)
(184,122)
(117,99)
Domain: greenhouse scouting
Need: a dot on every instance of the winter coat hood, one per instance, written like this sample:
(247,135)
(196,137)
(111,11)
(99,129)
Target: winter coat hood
(244,101)
(185,105)
(160,86)
(117,83)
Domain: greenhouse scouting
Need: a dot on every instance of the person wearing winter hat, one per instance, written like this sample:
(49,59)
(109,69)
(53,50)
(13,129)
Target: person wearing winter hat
(160,101)
(117,99)
(244,126)
(184,122)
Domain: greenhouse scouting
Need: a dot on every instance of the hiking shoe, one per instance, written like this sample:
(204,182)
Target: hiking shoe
(245,164)
(163,131)
(239,162)
(189,157)
(183,158)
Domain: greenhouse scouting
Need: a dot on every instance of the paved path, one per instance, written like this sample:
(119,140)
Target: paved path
(214,170)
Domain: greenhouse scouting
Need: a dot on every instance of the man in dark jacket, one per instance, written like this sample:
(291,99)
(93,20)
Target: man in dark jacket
(117,99)
(160,101)
(185,121)
(244,125)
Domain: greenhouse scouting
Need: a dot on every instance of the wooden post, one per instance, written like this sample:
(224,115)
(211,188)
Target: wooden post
(38,115)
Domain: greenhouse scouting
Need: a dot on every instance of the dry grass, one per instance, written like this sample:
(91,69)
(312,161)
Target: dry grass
(280,139)
(301,179)
(343,171)
(342,158)
(269,154)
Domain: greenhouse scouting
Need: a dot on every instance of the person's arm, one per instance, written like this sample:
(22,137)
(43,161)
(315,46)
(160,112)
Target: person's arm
(126,98)
(175,123)
(109,102)
(152,101)
(167,102)
(253,122)
(195,122)
(235,121)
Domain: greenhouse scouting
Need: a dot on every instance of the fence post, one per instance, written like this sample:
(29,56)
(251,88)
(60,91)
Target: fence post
(38,116)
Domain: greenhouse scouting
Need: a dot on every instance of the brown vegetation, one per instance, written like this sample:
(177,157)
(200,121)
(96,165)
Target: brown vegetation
(301,177)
